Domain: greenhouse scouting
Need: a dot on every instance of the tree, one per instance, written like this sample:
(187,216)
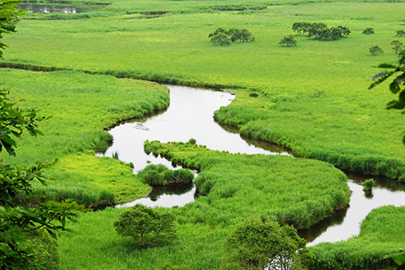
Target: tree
(221,39)
(246,35)
(23,230)
(224,37)
(400,33)
(288,41)
(397,46)
(375,50)
(257,245)
(368,31)
(146,226)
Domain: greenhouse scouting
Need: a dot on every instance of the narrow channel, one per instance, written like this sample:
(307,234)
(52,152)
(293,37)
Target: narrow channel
(190,115)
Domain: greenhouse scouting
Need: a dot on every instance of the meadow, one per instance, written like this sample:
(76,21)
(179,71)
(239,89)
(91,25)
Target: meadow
(311,98)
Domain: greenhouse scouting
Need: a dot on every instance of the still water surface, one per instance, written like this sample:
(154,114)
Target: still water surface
(190,115)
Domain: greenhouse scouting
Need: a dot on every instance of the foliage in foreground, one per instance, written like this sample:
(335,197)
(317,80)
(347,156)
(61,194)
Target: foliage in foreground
(382,233)
(22,229)
(397,85)
(147,227)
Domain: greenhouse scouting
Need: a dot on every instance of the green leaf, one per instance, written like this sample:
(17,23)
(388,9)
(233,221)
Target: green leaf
(394,87)
(396,105)
(381,79)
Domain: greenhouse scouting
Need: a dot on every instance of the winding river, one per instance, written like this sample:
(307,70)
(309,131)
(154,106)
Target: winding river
(190,116)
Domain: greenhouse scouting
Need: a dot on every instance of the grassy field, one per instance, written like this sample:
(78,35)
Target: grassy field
(312,98)
(82,106)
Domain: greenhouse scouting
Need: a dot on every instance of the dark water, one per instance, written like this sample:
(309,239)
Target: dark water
(190,115)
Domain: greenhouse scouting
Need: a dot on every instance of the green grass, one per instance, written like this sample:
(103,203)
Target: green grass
(82,107)
(346,125)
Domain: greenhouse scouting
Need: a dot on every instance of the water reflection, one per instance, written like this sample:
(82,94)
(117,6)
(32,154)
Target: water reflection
(346,224)
(166,196)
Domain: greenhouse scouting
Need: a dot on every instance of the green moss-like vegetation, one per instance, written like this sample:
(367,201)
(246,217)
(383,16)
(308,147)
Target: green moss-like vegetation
(382,233)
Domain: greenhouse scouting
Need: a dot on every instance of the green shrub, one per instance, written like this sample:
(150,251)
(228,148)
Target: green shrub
(368,184)
(156,175)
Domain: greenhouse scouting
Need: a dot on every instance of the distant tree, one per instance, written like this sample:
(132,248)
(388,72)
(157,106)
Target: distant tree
(258,245)
(375,50)
(246,35)
(345,32)
(301,27)
(368,31)
(221,39)
(397,46)
(234,34)
(225,37)
(320,31)
(400,33)
(146,226)
(288,41)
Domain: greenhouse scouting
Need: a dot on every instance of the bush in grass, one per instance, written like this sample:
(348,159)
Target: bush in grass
(146,226)
(397,46)
(368,184)
(400,33)
(368,31)
(288,41)
(320,31)
(375,50)
(156,175)
(225,37)
(257,245)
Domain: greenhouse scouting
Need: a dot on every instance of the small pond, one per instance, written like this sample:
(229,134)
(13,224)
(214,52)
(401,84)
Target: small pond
(190,115)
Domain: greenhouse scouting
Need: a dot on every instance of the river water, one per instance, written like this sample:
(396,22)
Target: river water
(190,115)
